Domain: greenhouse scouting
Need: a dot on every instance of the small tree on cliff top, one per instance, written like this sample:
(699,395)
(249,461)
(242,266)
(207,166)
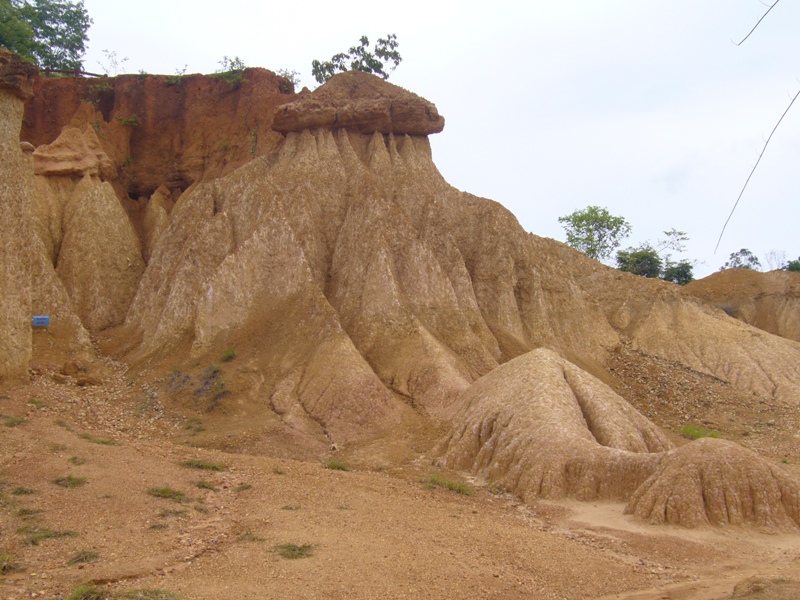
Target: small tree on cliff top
(595,231)
(359,58)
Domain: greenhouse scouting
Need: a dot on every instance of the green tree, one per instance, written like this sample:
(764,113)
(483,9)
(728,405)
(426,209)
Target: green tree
(51,33)
(681,272)
(743,259)
(15,32)
(595,231)
(359,58)
(643,261)
(792,265)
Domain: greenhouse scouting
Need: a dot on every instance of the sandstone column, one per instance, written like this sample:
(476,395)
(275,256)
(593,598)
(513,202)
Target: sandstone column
(16,193)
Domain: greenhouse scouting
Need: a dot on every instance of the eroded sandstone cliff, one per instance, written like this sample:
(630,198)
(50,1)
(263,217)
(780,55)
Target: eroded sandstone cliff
(358,289)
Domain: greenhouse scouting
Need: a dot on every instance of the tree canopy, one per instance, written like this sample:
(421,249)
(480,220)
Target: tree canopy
(742,259)
(595,231)
(643,261)
(359,58)
(51,33)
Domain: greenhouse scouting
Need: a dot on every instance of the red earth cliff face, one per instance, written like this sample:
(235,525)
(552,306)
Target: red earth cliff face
(159,129)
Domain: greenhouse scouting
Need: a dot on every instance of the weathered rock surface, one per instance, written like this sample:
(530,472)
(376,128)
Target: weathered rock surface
(75,152)
(541,427)
(658,318)
(359,290)
(420,277)
(769,301)
(99,261)
(716,482)
(362,103)
(186,128)
(16,191)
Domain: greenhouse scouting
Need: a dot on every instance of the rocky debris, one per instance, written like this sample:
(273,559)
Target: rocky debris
(73,367)
(76,152)
(769,301)
(540,427)
(359,102)
(716,482)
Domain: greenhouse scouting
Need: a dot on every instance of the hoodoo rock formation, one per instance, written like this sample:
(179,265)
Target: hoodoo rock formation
(360,103)
(313,234)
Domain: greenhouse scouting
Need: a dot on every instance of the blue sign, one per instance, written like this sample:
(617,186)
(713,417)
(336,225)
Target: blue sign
(41,321)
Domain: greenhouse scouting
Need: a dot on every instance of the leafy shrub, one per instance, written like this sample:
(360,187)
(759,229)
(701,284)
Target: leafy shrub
(643,261)
(232,70)
(133,120)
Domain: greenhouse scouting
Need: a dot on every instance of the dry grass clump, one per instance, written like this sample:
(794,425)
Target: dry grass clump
(167,493)
(292,551)
(459,487)
(206,465)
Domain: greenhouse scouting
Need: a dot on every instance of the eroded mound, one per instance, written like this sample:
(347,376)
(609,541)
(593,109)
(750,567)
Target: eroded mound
(716,482)
(769,301)
(541,427)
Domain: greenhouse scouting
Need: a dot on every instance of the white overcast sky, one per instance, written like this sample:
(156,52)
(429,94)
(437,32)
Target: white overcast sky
(645,107)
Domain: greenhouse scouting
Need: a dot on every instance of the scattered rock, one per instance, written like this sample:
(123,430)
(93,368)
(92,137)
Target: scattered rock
(72,367)
(84,379)
(61,378)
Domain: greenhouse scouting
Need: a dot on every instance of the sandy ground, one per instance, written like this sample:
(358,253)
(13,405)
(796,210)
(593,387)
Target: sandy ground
(375,531)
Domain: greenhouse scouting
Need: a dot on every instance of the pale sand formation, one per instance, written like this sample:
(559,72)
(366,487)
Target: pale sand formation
(361,291)
(769,301)
(540,427)
(716,482)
